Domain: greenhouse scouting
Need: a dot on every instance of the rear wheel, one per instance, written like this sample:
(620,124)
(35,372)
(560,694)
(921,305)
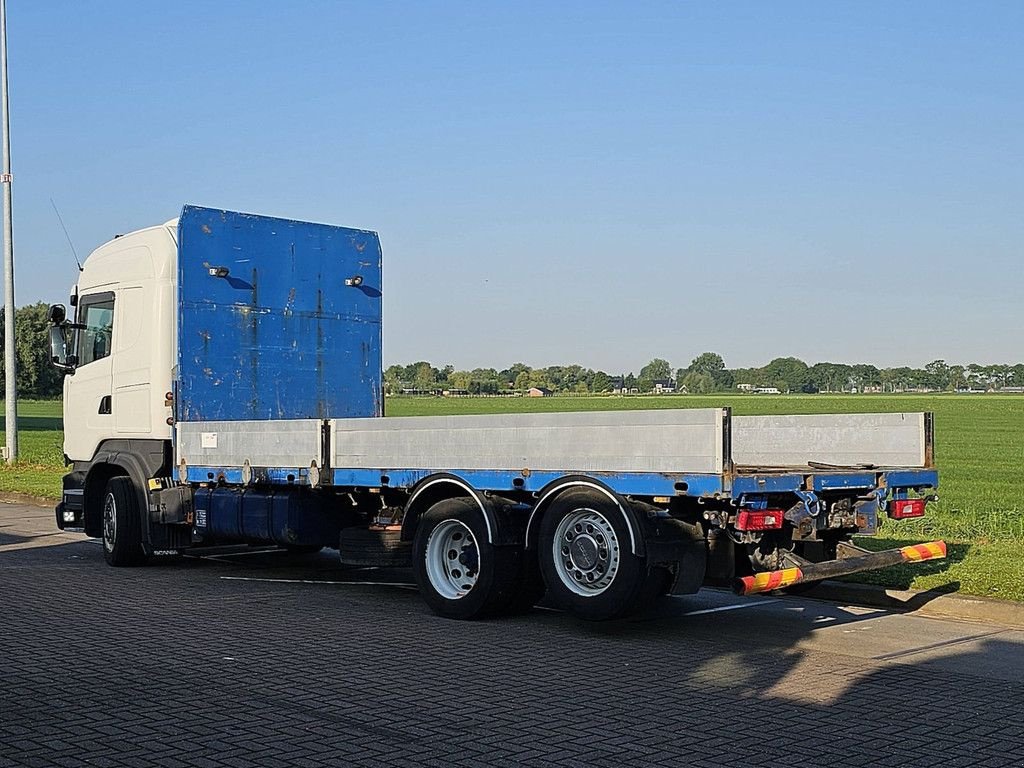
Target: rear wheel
(461,575)
(586,557)
(122,524)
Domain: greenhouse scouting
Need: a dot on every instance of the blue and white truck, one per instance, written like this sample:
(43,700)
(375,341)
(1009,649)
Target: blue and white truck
(224,386)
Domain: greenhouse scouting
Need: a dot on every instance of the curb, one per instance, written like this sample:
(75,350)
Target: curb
(932,603)
(10,497)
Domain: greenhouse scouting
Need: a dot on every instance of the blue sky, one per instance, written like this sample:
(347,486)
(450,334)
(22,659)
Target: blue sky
(586,182)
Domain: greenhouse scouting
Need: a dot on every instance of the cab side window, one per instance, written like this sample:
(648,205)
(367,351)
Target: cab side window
(96,313)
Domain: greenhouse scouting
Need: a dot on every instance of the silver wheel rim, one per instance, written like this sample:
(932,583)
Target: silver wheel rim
(453,560)
(109,522)
(585,551)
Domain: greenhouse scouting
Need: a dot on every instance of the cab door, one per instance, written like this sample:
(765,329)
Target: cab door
(88,395)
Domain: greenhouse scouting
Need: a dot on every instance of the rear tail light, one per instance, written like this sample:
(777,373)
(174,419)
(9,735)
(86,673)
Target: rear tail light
(900,509)
(760,519)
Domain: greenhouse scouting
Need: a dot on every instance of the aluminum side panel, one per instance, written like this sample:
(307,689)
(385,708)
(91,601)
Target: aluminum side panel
(878,439)
(288,443)
(667,441)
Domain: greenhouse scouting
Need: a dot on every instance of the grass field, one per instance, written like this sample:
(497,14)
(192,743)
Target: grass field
(40,455)
(979,452)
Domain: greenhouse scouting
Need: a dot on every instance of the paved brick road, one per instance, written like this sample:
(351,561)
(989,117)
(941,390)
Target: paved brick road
(195,664)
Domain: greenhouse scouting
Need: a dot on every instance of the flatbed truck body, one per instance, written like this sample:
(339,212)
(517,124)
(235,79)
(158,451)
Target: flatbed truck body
(225,386)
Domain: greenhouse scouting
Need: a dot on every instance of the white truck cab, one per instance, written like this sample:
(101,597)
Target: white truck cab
(119,351)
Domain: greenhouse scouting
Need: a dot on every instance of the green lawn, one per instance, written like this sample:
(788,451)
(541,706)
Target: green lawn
(40,455)
(979,451)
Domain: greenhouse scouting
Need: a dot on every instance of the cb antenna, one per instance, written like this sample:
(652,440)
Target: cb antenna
(72,245)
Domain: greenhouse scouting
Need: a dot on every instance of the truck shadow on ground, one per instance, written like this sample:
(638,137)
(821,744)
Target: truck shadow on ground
(14,538)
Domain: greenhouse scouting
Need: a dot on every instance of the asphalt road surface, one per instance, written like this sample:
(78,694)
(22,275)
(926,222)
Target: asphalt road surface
(264,658)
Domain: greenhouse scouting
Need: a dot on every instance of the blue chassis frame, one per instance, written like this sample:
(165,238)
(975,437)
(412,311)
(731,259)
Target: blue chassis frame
(893,481)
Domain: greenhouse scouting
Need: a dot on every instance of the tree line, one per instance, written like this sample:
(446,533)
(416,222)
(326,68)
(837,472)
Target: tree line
(706,373)
(37,378)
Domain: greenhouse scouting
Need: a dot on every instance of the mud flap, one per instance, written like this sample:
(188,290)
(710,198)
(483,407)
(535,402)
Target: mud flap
(681,548)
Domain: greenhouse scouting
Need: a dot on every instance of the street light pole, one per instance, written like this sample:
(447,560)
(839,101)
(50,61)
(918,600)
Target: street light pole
(10,372)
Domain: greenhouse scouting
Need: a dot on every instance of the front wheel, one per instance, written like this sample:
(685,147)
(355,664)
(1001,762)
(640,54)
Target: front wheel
(122,524)
(461,575)
(586,557)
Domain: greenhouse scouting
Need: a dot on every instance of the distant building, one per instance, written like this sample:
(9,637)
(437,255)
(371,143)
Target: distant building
(767,391)
(537,392)
(664,386)
(619,387)
(745,387)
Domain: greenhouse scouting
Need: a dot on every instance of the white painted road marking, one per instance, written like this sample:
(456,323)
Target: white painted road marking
(734,607)
(323,581)
(222,555)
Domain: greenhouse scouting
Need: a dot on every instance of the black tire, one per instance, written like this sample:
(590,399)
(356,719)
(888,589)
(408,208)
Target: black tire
(488,576)
(122,524)
(624,583)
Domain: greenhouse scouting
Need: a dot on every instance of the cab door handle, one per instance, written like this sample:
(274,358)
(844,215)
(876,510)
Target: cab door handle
(104,404)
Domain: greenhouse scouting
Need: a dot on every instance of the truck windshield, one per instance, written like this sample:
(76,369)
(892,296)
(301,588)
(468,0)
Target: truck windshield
(96,313)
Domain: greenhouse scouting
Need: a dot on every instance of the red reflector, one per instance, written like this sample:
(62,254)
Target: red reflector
(759,519)
(903,508)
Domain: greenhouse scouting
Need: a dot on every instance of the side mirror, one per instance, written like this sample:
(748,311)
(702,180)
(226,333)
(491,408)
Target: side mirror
(59,348)
(57,314)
